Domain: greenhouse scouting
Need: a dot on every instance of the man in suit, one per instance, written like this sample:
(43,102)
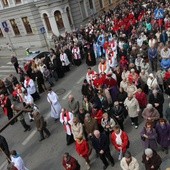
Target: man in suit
(101,145)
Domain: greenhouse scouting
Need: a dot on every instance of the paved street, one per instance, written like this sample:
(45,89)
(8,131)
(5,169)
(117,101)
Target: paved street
(48,153)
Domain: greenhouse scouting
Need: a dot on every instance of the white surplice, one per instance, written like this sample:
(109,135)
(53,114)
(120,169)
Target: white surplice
(53,99)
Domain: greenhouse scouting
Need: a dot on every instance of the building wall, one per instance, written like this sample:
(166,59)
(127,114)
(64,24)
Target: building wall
(34,9)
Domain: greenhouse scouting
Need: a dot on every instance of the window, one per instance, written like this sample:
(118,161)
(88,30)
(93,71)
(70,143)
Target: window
(59,20)
(47,22)
(14,27)
(1,33)
(101,3)
(5,3)
(27,25)
(17,1)
(91,4)
(68,15)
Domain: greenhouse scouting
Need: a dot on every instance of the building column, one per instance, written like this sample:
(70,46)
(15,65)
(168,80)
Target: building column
(54,26)
(66,21)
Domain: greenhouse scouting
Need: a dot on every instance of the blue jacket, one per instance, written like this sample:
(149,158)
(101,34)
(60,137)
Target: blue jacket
(152,53)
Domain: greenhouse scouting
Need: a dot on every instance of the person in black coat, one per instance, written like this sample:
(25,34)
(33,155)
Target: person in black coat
(4,146)
(84,88)
(151,159)
(118,114)
(40,81)
(157,100)
(101,145)
(58,65)
(90,56)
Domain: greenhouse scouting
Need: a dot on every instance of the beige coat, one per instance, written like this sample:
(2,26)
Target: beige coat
(134,165)
(132,107)
(77,130)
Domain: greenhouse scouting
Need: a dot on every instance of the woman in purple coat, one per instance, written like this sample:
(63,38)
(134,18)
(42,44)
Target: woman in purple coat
(163,132)
(149,136)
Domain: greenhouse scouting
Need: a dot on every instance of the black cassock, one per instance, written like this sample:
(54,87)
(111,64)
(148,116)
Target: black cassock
(90,56)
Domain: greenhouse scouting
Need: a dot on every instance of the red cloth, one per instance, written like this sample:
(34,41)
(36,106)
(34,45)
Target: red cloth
(125,140)
(82,148)
(3,105)
(103,77)
(98,115)
(106,44)
(141,98)
(167,25)
(167,76)
(110,82)
(123,63)
(72,162)
(97,83)
(133,78)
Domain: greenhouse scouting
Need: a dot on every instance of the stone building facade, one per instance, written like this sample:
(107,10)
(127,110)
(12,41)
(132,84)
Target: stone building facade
(27,19)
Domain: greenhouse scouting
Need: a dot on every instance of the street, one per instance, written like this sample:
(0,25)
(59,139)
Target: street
(48,153)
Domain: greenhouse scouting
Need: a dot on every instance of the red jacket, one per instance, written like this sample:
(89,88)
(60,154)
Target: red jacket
(141,98)
(71,164)
(97,83)
(82,148)
(98,115)
(125,141)
(167,76)
(110,82)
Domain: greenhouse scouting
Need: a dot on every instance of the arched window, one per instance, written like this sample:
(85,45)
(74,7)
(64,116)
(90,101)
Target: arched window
(101,3)
(59,20)
(68,15)
(47,22)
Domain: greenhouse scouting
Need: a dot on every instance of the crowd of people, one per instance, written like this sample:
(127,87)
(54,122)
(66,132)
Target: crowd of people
(132,44)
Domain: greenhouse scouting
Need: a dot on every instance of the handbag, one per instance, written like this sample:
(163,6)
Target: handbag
(143,138)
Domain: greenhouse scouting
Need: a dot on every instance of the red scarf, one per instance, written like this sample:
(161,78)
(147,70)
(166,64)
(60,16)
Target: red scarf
(3,102)
(68,118)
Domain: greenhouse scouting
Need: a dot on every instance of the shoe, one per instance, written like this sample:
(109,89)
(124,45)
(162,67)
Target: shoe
(31,120)
(132,123)
(29,129)
(105,167)
(112,164)
(136,127)
(47,136)
(41,139)
(25,130)
(88,166)
(55,120)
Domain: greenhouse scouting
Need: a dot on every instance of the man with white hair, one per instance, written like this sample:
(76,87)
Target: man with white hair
(101,145)
(150,113)
(73,104)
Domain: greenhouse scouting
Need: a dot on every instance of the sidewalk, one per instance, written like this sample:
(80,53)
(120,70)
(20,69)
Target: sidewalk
(20,52)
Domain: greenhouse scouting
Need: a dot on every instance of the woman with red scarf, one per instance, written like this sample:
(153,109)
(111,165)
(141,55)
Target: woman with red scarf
(82,148)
